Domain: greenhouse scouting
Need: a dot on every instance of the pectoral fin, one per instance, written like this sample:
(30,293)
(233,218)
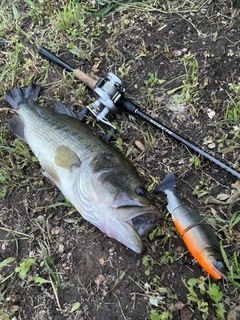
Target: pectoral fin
(50,172)
(66,158)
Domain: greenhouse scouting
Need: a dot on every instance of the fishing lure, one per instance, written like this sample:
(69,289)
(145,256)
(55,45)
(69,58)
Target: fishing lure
(195,232)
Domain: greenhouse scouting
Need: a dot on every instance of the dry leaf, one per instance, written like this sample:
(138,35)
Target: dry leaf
(212,145)
(96,65)
(236,185)
(231,200)
(181,161)
(163,152)
(223,196)
(139,145)
(4,245)
(55,230)
(207,140)
(214,212)
(179,305)
(61,248)
(99,280)
(186,313)
(211,113)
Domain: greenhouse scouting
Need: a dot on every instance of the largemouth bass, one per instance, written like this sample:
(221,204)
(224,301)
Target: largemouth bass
(95,177)
(195,232)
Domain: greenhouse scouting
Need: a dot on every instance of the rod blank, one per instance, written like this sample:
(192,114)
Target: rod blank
(132,108)
(46,54)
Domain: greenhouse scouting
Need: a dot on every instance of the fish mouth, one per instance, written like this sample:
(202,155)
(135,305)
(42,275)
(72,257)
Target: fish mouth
(143,219)
(144,223)
(135,221)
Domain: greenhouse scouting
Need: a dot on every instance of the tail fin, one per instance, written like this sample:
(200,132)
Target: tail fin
(16,95)
(168,182)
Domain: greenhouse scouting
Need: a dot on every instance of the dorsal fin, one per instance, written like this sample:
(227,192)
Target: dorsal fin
(59,107)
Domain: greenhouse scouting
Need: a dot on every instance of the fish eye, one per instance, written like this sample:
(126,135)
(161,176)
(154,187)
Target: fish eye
(140,191)
(219,265)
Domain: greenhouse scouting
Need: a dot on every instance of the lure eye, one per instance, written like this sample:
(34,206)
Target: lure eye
(219,265)
(141,192)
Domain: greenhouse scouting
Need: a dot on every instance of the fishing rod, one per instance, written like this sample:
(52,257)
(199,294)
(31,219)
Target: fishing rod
(109,92)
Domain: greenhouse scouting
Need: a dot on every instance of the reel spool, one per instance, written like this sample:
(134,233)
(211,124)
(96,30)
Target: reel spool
(107,91)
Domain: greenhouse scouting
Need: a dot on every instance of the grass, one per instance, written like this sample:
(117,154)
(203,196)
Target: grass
(212,290)
(233,107)
(16,159)
(97,36)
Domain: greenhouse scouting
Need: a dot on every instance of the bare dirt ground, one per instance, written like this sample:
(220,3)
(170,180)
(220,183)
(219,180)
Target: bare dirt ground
(78,262)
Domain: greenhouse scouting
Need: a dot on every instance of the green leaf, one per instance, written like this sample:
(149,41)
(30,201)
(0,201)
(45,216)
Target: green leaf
(2,178)
(100,2)
(147,272)
(154,316)
(203,306)
(220,311)
(192,282)
(214,293)
(145,260)
(164,315)
(30,3)
(3,192)
(154,301)
(155,233)
(192,297)
(15,12)
(25,267)
(119,142)
(40,280)
(103,11)
(34,159)
(75,306)
(75,51)
(6,261)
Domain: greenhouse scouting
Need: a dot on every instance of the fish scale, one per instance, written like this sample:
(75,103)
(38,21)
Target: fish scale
(95,177)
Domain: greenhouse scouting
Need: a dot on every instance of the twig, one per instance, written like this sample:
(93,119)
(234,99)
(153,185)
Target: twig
(8,109)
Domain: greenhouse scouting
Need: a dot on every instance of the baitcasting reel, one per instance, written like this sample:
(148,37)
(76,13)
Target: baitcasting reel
(107,91)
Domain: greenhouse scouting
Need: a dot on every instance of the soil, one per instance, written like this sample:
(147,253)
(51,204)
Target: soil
(106,278)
